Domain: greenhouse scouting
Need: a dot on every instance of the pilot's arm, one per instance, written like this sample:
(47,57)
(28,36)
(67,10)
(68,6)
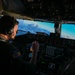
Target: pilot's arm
(20,65)
(35,48)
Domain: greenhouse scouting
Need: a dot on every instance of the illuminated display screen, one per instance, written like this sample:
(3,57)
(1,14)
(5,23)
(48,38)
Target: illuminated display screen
(68,31)
(35,26)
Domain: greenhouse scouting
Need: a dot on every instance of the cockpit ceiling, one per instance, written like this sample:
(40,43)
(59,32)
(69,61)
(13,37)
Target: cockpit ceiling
(43,9)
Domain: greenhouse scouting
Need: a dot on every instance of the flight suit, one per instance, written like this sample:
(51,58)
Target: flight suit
(12,62)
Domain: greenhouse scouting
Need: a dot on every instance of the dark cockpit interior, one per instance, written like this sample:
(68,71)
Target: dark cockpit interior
(56,49)
(52,24)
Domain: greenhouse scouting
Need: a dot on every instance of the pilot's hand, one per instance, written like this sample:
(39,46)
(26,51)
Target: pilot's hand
(35,46)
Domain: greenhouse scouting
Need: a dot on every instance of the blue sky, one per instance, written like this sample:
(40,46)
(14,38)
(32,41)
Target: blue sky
(44,25)
(68,30)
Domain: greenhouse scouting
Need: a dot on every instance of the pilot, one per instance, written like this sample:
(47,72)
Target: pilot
(11,60)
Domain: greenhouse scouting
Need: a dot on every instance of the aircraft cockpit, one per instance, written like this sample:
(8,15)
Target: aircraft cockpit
(52,24)
(56,44)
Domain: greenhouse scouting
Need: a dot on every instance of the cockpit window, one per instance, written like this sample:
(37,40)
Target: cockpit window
(35,27)
(68,31)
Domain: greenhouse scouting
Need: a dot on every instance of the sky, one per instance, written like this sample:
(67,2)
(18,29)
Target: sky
(44,25)
(68,30)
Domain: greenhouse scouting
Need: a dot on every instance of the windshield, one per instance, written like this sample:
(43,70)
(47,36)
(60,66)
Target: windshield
(68,31)
(35,27)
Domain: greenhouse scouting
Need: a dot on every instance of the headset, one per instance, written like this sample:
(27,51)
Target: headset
(7,24)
